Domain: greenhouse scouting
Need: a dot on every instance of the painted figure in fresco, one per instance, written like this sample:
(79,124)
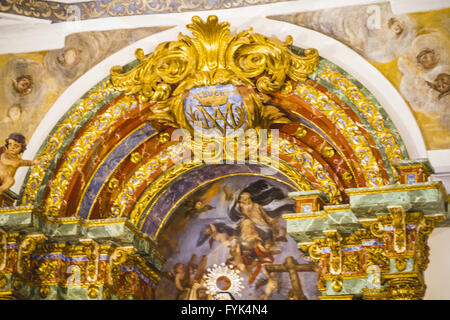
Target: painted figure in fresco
(10,160)
(218,232)
(23,85)
(69,57)
(14,114)
(396,26)
(188,277)
(182,281)
(260,231)
(272,283)
(441,84)
(253,211)
(427,59)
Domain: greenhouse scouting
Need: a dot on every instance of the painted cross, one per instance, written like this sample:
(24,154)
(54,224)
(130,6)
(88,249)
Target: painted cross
(293,267)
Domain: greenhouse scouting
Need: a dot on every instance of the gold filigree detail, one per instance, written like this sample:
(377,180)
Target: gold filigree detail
(347,127)
(136,157)
(351,262)
(164,137)
(36,9)
(143,172)
(57,138)
(76,153)
(47,269)
(368,110)
(405,286)
(113,184)
(376,256)
(314,167)
(26,248)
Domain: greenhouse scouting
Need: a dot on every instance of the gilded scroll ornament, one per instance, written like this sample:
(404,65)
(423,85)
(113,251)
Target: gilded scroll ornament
(27,246)
(212,61)
(398,216)
(214,56)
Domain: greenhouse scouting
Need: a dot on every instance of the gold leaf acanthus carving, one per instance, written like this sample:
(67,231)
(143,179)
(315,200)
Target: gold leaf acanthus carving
(214,56)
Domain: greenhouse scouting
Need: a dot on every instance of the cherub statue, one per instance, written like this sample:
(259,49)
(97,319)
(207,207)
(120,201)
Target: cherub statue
(10,160)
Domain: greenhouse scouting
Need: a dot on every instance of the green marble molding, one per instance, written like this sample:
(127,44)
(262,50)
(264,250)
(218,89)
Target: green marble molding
(117,230)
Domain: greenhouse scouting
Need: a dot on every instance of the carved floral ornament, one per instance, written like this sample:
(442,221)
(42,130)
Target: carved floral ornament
(222,64)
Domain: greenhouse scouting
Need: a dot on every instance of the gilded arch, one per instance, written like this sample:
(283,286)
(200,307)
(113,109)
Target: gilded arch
(334,135)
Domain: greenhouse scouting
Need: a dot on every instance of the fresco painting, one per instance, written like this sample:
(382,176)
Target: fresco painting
(32,82)
(237,222)
(411,50)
